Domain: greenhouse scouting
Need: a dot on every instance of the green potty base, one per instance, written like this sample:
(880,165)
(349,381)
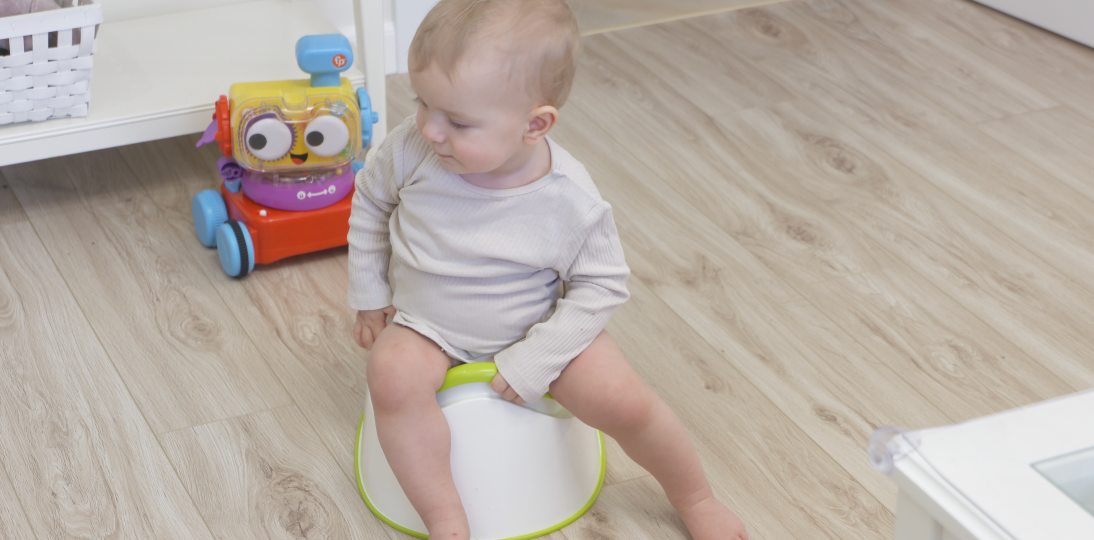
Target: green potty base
(553,464)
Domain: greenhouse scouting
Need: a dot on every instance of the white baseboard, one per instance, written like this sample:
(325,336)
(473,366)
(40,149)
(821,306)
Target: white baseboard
(1069,18)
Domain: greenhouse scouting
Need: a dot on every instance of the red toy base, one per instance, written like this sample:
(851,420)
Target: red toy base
(278,234)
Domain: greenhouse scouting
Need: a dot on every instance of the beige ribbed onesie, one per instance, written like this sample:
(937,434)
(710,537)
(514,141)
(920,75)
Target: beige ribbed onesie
(480,271)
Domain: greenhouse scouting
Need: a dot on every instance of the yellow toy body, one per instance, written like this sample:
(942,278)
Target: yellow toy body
(302,128)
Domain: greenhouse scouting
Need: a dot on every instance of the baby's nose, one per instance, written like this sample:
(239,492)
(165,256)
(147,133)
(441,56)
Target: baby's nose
(433,133)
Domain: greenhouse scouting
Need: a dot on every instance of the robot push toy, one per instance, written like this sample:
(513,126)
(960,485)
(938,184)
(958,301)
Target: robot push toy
(290,150)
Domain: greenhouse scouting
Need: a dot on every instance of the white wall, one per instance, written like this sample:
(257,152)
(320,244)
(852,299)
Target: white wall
(116,10)
(341,11)
(401,19)
(408,15)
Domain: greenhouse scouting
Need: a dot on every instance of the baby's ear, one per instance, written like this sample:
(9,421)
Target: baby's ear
(540,122)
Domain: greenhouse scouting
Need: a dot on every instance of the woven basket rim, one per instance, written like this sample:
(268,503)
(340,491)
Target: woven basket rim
(87,13)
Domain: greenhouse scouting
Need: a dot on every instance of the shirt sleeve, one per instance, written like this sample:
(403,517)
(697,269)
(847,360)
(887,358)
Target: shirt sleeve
(595,280)
(375,197)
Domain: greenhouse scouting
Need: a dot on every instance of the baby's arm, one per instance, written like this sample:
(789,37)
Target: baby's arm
(596,279)
(375,197)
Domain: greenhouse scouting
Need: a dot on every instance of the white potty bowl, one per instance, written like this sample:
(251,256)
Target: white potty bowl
(521,472)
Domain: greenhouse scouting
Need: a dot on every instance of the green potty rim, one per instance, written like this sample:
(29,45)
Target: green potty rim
(471,372)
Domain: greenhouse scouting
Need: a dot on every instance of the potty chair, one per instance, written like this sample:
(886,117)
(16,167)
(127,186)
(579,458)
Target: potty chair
(522,471)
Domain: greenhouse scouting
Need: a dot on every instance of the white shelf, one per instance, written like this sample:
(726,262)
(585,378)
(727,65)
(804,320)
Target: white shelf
(158,76)
(979,479)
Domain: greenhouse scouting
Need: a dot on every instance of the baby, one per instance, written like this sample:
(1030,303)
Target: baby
(498,247)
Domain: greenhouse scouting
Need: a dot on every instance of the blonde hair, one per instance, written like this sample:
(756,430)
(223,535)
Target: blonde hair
(531,33)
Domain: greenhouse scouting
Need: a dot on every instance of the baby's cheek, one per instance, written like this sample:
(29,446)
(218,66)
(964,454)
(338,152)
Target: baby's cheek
(481,156)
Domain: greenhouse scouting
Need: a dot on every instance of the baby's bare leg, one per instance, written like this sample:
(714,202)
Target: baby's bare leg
(601,389)
(404,372)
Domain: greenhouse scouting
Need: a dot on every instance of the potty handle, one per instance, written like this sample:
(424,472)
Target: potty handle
(484,372)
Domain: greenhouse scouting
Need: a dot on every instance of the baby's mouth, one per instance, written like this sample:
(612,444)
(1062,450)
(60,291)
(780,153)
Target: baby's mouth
(299,158)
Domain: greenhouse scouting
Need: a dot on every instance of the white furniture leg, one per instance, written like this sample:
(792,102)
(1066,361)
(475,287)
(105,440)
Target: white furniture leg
(369,15)
(913,522)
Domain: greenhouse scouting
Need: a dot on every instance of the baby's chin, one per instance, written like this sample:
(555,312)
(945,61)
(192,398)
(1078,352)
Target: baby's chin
(455,167)
(451,165)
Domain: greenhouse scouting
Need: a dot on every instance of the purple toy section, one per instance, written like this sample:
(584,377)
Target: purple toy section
(298,196)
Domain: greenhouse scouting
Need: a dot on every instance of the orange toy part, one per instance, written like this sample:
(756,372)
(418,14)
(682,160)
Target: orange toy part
(222,116)
(278,234)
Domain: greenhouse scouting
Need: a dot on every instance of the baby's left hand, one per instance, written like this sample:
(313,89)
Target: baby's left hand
(501,386)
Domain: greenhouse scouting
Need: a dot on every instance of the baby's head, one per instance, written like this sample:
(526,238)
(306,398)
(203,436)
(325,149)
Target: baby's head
(490,77)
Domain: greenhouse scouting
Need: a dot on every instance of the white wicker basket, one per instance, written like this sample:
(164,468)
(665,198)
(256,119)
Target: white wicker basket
(45,64)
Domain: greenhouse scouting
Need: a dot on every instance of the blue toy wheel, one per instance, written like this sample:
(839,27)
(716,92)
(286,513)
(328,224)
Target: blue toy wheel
(209,212)
(235,249)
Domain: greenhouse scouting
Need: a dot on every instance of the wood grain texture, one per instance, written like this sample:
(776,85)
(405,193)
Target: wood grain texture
(633,509)
(964,164)
(750,442)
(295,314)
(988,273)
(733,303)
(13,521)
(903,119)
(267,475)
(1058,67)
(75,447)
(182,356)
(1057,140)
(660,123)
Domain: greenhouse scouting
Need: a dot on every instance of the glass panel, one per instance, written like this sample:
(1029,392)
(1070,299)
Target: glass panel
(1073,474)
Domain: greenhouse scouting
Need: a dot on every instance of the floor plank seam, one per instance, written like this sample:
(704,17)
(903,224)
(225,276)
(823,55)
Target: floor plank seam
(19,500)
(630,26)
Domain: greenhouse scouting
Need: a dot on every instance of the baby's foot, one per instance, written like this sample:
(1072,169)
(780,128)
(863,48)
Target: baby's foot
(709,519)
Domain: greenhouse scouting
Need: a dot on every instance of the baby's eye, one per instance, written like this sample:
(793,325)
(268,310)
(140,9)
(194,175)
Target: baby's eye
(458,125)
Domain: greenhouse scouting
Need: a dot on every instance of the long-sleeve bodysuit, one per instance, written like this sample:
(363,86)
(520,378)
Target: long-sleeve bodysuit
(481,271)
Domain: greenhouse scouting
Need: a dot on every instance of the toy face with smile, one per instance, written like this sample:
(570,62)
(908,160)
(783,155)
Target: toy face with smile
(277,138)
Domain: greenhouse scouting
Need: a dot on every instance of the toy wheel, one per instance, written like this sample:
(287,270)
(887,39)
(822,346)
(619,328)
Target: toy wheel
(209,212)
(235,249)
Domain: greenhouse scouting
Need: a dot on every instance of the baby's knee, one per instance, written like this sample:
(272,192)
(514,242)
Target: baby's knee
(400,372)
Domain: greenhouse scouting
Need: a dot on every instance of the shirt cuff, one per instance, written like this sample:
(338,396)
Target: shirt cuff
(379,297)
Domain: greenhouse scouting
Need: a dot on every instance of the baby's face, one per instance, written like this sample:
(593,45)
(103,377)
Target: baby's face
(474,121)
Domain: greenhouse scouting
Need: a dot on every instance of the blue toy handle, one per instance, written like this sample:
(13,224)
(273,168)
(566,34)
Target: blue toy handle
(368,116)
(324,56)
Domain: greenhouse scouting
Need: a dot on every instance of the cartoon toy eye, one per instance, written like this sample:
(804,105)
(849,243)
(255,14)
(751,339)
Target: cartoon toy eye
(268,139)
(326,136)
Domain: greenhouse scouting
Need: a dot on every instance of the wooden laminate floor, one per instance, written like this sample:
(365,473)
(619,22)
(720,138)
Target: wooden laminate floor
(840,215)
(597,16)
